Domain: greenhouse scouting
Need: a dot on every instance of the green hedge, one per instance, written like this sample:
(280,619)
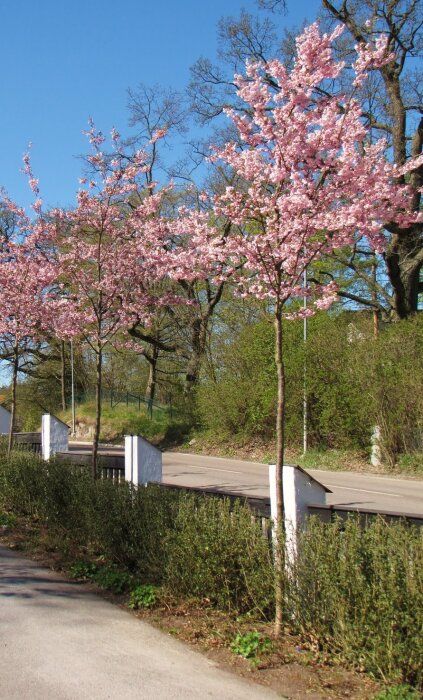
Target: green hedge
(357,593)
(360,593)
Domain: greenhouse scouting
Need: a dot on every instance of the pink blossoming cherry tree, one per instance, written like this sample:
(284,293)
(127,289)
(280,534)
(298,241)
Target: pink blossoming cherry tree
(111,253)
(310,184)
(26,277)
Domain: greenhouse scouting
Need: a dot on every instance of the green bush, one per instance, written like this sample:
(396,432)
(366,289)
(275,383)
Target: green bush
(7,520)
(240,397)
(217,552)
(113,579)
(83,570)
(109,577)
(353,383)
(358,592)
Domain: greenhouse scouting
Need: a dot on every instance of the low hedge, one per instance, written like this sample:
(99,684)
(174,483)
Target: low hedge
(356,593)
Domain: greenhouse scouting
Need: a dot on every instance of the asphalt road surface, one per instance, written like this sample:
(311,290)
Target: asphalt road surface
(251,479)
(58,641)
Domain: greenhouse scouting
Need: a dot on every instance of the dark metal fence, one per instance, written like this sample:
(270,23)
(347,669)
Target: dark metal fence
(112,467)
(115,398)
(328,513)
(27,441)
(109,466)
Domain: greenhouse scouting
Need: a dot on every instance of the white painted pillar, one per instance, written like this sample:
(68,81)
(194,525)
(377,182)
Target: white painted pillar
(5,418)
(299,491)
(376,453)
(54,436)
(143,461)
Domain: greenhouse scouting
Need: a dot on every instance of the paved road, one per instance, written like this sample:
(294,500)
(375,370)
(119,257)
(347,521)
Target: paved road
(251,478)
(60,642)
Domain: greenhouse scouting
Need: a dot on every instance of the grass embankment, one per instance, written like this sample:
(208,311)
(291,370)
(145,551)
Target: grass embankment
(355,598)
(260,450)
(172,432)
(120,420)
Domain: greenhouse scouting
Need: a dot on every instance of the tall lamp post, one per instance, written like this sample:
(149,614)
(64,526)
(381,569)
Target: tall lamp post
(305,369)
(72,389)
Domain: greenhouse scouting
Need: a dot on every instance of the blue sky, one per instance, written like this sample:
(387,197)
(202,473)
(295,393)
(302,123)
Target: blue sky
(64,61)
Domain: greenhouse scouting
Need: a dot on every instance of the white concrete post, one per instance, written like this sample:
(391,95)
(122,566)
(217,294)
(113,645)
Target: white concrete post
(5,417)
(129,460)
(299,491)
(272,489)
(54,436)
(143,461)
(376,453)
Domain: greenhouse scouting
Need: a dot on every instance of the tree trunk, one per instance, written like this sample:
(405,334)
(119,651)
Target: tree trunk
(198,344)
(63,374)
(374,298)
(13,411)
(152,359)
(404,258)
(279,553)
(404,255)
(99,367)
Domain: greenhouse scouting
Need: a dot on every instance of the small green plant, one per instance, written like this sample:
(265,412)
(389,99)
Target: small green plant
(83,570)
(7,520)
(398,692)
(250,645)
(108,577)
(113,579)
(144,596)
(411,463)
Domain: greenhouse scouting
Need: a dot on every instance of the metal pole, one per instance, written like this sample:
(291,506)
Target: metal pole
(73,390)
(305,371)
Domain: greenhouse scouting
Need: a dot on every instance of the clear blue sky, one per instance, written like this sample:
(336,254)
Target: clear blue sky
(64,61)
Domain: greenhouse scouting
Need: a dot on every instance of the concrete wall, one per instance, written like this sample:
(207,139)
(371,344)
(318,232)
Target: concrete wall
(143,461)
(299,491)
(54,436)
(4,421)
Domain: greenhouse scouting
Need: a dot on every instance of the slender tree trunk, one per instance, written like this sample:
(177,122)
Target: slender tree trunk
(99,367)
(63,374)
(150,391)
(279,553)
(374,298)
(13,411)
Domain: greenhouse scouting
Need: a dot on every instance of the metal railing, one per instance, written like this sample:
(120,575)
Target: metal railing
(112,467)
(115,398)
(27,441)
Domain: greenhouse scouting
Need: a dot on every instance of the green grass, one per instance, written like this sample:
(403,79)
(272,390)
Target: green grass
(331,460)
(398,692)
(127,420)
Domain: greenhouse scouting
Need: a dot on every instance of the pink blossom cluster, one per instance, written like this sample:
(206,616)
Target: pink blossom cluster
(370,56)
(311,182)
